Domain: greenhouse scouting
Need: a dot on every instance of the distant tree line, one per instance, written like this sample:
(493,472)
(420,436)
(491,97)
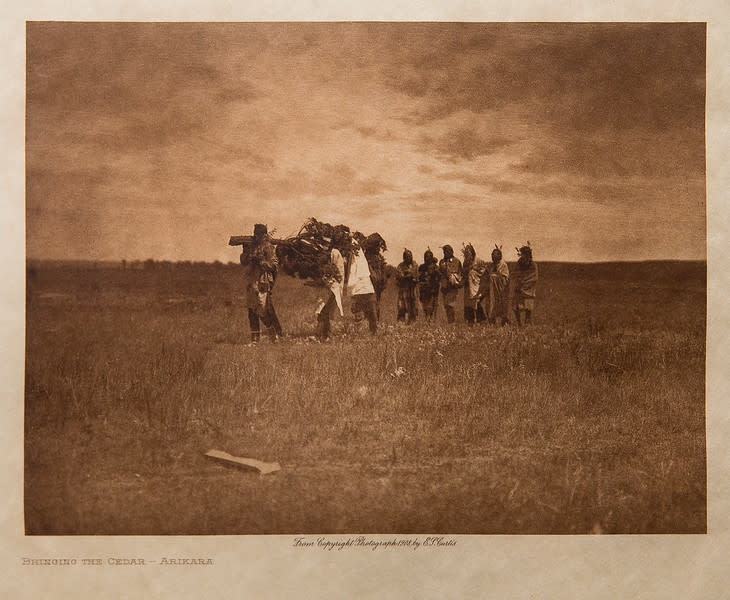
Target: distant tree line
(150,264)
(166,265)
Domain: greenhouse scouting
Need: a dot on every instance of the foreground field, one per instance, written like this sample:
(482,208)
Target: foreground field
(591,420)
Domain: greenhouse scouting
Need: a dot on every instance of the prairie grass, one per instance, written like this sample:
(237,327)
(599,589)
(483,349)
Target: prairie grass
(592,420)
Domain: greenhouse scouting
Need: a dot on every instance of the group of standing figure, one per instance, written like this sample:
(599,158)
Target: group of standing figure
(486,286)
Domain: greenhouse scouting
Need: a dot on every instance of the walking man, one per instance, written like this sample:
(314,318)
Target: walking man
(360,288)
(334,281)
(260,268)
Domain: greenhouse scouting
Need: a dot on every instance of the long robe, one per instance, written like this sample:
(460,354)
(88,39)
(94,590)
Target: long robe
(495,286)
(407,279)
(451,279)
(525,285)
(473,276)
(429,279)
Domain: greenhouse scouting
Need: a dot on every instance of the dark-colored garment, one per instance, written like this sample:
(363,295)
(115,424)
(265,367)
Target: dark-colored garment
(430,304)
(260,268)
(524,278)
(268,318)
(324,316)
(334,295)
(472,315)
(451,281)
(364,304)
(407,280)
(407,304)
(429,279)
(378,277)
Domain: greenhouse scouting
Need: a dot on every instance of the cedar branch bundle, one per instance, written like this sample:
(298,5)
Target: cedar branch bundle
(307,254)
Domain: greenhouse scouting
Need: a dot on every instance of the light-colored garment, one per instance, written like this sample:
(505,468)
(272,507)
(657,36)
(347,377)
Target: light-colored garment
(336,286)
(359,281)
(495,286)
(451,274)
(473,281)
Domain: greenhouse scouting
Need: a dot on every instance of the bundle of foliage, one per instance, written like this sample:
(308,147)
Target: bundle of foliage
(307,254)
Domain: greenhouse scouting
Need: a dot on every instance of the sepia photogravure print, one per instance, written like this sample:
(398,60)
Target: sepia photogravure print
(414,278)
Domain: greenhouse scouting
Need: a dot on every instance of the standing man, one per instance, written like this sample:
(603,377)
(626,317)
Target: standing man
(334,280)
(474,268)
(260,267)
(525,278)
(451,281)
(495,286)
(360,288)
(429,279)
(407,279)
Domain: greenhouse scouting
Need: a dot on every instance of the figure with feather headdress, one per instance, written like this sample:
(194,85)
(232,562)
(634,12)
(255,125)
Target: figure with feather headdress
(429,279)
(474,269)
(407,279)
(451,281)
(495,286)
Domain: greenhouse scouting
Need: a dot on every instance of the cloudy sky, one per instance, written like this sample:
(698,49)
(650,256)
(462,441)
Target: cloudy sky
(162,140)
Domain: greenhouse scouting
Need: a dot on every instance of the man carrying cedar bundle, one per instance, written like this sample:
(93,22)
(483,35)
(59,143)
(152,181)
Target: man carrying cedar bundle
(333,278)
(260,267)
(360,287)
(373,246)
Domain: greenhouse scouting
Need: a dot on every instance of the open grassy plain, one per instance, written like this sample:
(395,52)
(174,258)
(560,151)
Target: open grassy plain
(591,420)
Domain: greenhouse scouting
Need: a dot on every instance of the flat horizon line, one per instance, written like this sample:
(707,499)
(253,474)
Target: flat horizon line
(214,261)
